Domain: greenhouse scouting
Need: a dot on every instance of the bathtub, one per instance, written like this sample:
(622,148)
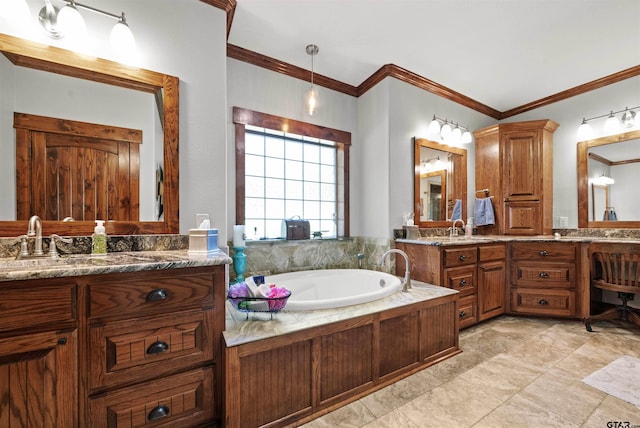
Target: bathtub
(334,288)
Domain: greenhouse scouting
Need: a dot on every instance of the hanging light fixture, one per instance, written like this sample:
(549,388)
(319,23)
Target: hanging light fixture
(69,22)
(612,125)
(454,135)
(312,94)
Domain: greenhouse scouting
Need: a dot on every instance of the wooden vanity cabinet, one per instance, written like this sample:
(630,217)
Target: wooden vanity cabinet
(38,354)
(492,281)
(544,278)
(515,165)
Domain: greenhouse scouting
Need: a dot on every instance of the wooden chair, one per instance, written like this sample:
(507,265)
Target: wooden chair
(616,267)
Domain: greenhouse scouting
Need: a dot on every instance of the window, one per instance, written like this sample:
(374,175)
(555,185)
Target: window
(286,168)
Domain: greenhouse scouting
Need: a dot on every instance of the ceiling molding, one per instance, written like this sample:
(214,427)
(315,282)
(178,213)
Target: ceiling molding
(229,6)
(278,66)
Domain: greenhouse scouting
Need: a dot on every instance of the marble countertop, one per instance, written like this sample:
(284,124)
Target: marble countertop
(85,264)
(486,239)
(258,325)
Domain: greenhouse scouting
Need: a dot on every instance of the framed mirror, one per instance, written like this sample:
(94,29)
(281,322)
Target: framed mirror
(440,178)
(164,93)
(608,173)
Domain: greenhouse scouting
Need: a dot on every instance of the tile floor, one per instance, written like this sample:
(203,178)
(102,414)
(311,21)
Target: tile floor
(514,372)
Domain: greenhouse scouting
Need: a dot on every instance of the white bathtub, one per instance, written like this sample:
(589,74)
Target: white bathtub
(334,288)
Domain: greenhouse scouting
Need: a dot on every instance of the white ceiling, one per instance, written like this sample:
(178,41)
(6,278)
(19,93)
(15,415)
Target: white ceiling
(502,53)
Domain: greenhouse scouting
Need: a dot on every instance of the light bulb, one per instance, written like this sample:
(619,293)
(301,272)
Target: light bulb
(456,135)
(446,130)
(611,125)
(312,101)
(434,127)
(585,132)
(123,43)
(466,137)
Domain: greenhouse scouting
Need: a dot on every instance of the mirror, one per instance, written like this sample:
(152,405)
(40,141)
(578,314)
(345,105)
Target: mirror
(440,178)
(163,90)
(603,204)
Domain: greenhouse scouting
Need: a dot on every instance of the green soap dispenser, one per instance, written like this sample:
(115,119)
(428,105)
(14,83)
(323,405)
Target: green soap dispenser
(99,240)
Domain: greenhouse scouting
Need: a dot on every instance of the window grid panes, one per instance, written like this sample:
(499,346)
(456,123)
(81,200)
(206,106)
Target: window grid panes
(289,175)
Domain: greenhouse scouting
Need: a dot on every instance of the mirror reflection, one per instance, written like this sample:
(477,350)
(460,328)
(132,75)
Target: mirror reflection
(608,174)
(440,180)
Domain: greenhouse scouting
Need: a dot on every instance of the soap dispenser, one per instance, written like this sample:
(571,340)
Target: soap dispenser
(99,239)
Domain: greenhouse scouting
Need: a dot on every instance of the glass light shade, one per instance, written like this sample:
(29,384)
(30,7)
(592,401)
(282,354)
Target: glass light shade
(446,130)
(71,23)
(312,101)
(605,180)
(434,127)
(456,135)
(466,137)
(123,43)
(585,132)
(628,118)
(612,125)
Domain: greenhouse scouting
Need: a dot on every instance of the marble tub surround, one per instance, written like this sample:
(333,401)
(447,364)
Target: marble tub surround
(9,247)
(271,257)
(115,262)
(258,326)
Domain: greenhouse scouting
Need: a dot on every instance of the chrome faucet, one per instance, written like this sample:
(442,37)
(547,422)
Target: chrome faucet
(406,282)
(454,232)
(35,229)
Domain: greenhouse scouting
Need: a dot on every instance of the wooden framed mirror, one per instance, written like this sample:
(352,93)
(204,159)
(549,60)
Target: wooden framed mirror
(612,205)
(165,90)
(440,178)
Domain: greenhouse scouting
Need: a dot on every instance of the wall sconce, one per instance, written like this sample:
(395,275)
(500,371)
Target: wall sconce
(448,132)
(311,96)
(612,125)
(68,21)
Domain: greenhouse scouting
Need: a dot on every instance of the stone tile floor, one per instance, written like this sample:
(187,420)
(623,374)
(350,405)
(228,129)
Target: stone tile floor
(513,372)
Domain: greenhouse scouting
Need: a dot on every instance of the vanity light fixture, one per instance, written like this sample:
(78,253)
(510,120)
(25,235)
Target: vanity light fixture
(448,133)
(312,94)
(68,21)
(605,180)
(612,125)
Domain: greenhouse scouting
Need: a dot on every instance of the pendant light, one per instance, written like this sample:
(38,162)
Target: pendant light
(312,94)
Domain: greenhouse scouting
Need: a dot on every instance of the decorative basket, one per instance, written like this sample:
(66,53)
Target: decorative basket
(259,304)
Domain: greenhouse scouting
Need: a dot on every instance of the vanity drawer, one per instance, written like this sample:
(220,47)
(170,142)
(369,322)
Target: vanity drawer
(543,251)
(136,294)
(460,256)
(29,304)
(491,252)
(467,311)
(127,351)
(461,278)
(554,302)
(543,274)
(184,400)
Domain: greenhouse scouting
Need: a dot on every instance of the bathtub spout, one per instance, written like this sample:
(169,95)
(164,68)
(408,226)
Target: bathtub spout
(406,282)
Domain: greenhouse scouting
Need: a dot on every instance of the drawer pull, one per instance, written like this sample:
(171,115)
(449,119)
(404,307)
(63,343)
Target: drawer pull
(543,275)
(157,348)
(543,302)
(463,282)
(157,295)
(463,314)
(462,257)
(543,253)
(158,412)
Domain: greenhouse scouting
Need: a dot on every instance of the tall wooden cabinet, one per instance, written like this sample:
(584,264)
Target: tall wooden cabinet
(514,162)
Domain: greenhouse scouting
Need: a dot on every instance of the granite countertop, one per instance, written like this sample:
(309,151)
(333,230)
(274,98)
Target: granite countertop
(85,264)
(241,329)
(485,239)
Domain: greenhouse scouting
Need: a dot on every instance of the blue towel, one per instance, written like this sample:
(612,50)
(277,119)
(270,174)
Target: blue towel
(457,210)
(483,212)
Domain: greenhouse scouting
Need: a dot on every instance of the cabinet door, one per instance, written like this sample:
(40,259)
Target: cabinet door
(522,165)
(523,218)
(491,289)
(38,383)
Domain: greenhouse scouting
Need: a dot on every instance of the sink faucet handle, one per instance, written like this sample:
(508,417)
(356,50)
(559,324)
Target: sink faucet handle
(24,247)
(53,251)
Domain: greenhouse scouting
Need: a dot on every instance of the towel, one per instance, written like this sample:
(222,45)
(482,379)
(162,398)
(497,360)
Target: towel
(483,212)
(457,210)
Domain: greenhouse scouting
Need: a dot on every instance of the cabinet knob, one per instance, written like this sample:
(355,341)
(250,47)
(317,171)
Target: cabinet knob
(157,295)
(158,412)
(543,275)
(462,257)
(543,253)
(463,314)
(62,341)
(543,302)
(157,348)
(463,282)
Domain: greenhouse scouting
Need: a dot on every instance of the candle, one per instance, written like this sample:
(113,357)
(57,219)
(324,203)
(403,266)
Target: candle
(238,235)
